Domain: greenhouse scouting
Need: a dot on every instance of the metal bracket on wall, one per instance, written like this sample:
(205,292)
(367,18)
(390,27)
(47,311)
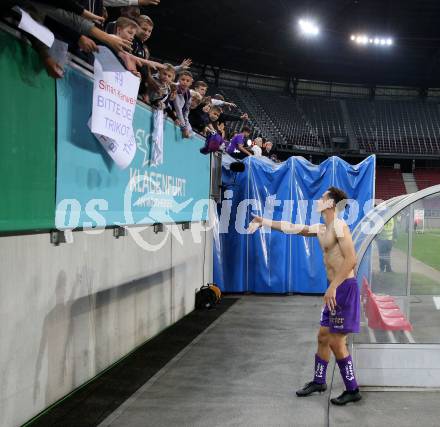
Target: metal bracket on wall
(158,228)
(119,232)
(57,237)
(186,226)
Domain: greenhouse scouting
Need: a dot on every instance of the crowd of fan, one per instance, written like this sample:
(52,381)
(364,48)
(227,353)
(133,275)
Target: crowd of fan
(84,25)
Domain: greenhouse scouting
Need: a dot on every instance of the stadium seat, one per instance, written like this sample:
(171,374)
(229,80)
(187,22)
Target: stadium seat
(380,126)
(382,311)
(389,183)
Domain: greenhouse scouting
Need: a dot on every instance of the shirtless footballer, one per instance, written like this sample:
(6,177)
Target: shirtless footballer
(341,312)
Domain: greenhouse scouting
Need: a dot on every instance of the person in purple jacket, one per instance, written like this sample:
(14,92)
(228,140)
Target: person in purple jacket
(237,143)
(341,313)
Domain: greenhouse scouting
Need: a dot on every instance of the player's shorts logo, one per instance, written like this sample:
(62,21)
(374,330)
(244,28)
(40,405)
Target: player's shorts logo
(335,310)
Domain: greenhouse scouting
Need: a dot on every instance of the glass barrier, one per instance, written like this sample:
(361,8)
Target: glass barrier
(400,277)
(369,224)
(425,270)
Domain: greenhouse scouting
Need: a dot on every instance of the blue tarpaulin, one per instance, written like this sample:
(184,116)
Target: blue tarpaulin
(270,261)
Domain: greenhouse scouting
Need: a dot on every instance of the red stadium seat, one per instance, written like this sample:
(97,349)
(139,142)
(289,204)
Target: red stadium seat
(382,311)
(427,177)
(389,183)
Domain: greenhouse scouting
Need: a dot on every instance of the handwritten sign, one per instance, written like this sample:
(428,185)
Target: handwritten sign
(115,93)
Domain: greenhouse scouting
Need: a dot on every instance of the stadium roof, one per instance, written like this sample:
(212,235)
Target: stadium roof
(260,36)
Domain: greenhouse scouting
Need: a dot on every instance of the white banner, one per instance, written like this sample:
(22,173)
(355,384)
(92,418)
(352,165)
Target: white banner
(28,24)
(157,137)
(114,101)
(121,153)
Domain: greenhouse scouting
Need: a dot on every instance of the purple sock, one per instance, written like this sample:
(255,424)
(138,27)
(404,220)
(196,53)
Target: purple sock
(320,370)
(347,373)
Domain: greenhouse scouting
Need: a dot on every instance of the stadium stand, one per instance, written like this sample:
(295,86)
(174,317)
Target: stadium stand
(256,121)
(362,117)
(380,126)
(290,121)
(407,127)
(324,116)
(389,183)
(427,177)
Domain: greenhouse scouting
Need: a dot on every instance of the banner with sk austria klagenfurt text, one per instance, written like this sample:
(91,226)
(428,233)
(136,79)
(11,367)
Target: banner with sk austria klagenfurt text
(92,191)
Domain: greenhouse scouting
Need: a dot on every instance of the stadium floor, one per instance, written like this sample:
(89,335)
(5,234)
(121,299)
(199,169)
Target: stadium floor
(243,370)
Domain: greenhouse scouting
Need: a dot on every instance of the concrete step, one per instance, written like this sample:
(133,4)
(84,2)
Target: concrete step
(410,183)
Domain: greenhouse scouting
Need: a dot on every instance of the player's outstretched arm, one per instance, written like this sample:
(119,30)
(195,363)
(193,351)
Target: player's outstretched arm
(283,226)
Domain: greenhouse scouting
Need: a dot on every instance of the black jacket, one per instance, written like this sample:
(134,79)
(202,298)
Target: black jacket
(225,117)
(198,119)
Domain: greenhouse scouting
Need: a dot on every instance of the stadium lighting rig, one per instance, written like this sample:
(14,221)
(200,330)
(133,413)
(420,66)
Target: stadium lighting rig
(308,28)
(367,40)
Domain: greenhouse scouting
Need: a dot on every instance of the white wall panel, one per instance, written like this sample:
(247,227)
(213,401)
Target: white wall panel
(68,312)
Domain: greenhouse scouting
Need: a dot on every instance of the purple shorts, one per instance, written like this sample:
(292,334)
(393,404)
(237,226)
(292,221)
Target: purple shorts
(345,319)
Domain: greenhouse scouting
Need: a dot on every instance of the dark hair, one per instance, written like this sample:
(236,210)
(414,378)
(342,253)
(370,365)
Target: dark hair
(200,83)
(219,97)
(338,196)
(246,129)
(184,73)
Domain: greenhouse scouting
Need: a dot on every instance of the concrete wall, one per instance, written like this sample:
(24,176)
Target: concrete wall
(69,312)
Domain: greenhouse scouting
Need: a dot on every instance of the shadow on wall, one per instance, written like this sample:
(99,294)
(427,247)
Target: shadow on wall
(82,333)
(179,302)
(56,342)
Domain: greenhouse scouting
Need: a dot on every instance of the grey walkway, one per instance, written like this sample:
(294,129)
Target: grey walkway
(417,266)
(399,262)
(244,369)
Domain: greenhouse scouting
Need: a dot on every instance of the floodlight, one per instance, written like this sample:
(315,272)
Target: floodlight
(308,28)
(365,39)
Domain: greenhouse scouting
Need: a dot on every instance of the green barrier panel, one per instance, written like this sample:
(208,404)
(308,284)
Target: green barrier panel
(27,139)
